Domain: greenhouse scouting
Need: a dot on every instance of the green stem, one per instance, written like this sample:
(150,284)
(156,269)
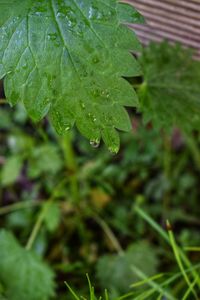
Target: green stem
(167,165)
(167,156)
(179,260)
(71,165)
(193,146)
(42,215)
(37,226)
(17,206)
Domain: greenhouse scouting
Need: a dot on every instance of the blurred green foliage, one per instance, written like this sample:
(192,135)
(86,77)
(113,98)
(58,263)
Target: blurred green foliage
(74,206)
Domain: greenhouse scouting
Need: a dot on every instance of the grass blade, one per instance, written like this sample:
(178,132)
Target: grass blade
(153,284)
(178,259)
(72,292)
(152,278)
(165,236)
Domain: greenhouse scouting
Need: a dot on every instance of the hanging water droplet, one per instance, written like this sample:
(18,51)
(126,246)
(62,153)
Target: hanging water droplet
(95,143)
(113,149)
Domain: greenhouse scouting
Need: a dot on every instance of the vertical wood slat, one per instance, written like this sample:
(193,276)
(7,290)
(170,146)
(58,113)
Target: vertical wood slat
(174,20)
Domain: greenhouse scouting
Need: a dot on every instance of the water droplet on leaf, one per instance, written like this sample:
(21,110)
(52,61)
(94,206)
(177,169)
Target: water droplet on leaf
(95,143)
(113,149)
(67,128)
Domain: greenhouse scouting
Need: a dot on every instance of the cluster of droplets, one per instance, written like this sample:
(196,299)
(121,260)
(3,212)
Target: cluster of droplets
(92,117)
(61,125)
(52,36)
(101,13)
(113,149)
(97,93)
(74,22)
(39,8)
(95,143)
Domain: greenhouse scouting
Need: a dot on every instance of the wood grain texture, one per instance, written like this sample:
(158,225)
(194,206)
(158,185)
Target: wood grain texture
(174,20)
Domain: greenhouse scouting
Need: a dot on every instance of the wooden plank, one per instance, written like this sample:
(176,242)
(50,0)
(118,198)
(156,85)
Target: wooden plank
(174,20)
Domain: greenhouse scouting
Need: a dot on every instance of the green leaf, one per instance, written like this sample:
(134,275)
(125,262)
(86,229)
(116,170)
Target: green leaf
(170,94)
(115,272)
(52,216)
(5,120)
(11,170)
(23,275)
(128,14)
(44,159)
(67,59)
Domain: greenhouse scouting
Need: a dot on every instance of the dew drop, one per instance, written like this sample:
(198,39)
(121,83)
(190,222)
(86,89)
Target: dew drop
(52,36)
(95,143)
(67,128)
(113,149)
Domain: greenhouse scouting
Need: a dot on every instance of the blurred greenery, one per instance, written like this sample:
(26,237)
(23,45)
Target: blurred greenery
(75,207)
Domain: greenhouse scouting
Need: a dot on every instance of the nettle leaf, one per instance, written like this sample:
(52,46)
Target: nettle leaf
(115,272)
(170,94)
(11,170)
(67,59)
(44,160)
(23,275)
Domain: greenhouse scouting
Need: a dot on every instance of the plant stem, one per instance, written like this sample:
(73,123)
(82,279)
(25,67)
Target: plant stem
(193,146)
(167,164)
(71,165)
(179,260)
(17,206)
(109,234)
(167,156)
(37,226)
(165,236)
(42,215)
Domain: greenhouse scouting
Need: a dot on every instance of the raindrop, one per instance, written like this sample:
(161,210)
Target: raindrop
(52,36)
(113,149)
(67,128)
(95,143)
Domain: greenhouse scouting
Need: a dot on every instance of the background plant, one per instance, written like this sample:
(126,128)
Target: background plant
(81,209)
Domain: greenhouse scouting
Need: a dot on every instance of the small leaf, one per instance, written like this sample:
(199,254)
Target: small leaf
(11,170)
(170,94)
(52,216)
(115,272)
(44,159)
(23,274)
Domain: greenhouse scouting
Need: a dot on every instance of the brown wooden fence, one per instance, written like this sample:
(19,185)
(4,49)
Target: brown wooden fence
(175,20)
